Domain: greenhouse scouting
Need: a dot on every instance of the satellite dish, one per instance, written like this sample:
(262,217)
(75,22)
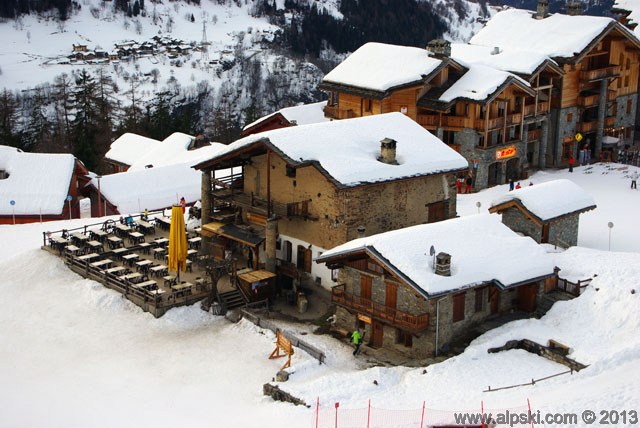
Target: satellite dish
(432,251)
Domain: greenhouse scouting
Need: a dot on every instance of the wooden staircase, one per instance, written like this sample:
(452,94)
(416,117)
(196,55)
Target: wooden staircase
(233,299)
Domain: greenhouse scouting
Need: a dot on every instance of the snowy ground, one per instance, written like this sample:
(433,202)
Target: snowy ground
(75,354)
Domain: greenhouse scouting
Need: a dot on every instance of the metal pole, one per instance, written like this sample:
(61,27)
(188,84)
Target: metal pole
(369,413)
(422,419)
(14,215)
(69,209)
(99,198)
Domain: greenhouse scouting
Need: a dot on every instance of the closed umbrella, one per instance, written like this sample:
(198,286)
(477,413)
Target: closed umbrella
(177,241)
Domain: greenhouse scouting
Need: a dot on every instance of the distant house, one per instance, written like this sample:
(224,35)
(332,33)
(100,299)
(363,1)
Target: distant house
(290,116)
(35,186)
(304,189)
(126,150)
(412,302)
(547,212)
(80,48)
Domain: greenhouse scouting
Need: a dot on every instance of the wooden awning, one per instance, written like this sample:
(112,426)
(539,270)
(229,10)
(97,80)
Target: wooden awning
(256,276)
(233,232)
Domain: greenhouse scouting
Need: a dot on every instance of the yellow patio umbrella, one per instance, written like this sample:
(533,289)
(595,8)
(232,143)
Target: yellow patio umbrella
(177,241)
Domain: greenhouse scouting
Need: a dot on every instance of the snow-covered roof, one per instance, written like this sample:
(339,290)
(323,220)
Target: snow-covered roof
(304,114)
(551,199)
(478,83)
(482,250)
(347,150)
(516,61)
(37,182)
(153,188)
(557,36)
(379,67)
(128,148)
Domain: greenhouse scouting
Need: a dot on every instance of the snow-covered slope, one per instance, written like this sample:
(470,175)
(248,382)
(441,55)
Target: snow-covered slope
(75,354)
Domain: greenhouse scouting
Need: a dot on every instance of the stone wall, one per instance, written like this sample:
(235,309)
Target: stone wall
(561,129)
(515,220)
(564,232)
(627,119)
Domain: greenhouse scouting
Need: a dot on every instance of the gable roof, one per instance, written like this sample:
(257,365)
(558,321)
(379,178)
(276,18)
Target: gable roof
(480,83)
(380,67)
(547,201)
(302,115)
(37,182)
(558,36)
(482,249)
(128,148)
(346,150)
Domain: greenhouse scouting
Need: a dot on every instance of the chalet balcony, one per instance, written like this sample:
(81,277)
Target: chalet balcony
(334,112)
(600,73)
(498,122)
(594,99)
(609,121)
(432,120)
(225,198)
(530,110)
(587,126)
(392,316)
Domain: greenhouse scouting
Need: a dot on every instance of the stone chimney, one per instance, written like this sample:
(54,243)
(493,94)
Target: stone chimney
(443,264)
(388,151)
(574,7)
(361,231)
(542,10)
(439,47)
(495,50)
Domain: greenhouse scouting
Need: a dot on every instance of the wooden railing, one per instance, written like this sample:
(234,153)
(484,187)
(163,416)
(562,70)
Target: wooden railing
(600,73)
(534,134)
(427,120)
(588,101)
(530,110)
(396,318)
(572,288)
(335,113)
(587,126)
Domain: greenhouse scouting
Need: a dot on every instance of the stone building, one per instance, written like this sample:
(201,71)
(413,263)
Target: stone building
(547,212)
(289,194)
(417,290)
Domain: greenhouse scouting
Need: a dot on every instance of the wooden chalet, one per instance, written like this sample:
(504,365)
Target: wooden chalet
(547,212)
(417,304)
(288,194)
(290,116)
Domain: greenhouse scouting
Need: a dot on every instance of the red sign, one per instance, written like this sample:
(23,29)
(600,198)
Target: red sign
(506,153)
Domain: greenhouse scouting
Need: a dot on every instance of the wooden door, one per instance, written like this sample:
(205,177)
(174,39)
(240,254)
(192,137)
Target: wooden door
(550,284)
(527,297)
(436,212)
(545,234)
(391,295)
(365,286)
(376,334)
(307,260)
(494,300)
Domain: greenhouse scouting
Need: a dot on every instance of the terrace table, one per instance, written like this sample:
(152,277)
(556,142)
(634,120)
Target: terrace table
(79,238)
(136,237)
(119,252)
(195,242)
(159,270)
(158,253)
(184,289)
(163,223)
(146,227)
(99,235)
(115,270)
(72,249)
(122,230)
(147,285)
(143,265)
(58,242)
(191,253)
(130,259)
(115,242)
(145,247)
(95,246)
(131,277)
(161,241)
(106,263)
(88,257)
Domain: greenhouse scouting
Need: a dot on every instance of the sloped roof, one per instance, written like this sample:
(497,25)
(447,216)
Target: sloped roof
(304,114)
(482,249)
(521,61)
(347,150)
(479,83)
(549,200)
(380,67)
(128,148)
(37,182)
(557,36)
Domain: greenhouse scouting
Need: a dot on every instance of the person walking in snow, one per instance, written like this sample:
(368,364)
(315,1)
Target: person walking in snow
(510,184)
(572,162)
(469,183)
(356,338)
(459,181)
(634,179)
(518,186)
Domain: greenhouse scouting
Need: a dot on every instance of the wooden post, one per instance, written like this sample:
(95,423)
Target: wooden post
(268,183)
(422,419)
(482,412)
(369,413)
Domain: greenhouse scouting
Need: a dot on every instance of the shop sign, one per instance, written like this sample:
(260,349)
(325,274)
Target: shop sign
(364,318)
(506,152)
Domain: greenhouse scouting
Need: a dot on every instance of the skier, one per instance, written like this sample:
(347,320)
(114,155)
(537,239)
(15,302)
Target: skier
(634,178)
(357,338)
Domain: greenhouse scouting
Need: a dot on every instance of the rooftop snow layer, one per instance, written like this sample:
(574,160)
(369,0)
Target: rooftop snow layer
(348,149)
(482,249)
(634,7)
(551,199)
(129,148)
(379,67)
(555,36)
(304,114)
(478,83)
(519,61)
(37,182)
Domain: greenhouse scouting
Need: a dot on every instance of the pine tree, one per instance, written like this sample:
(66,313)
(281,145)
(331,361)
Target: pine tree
(84,126)
(9,135)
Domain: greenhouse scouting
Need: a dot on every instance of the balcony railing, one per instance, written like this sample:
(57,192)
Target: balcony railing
(399,319)
(587,126)
(498,122)
(600,73)
(530,110)
(427,120)
(589,101)
(335,113)
(432,120)
(534,135)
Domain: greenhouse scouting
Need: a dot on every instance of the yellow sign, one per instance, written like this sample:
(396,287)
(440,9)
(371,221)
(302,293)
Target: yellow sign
(578,137)
(364,318)
(506,153)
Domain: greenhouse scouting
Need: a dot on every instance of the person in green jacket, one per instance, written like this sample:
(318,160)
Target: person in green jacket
(356,337)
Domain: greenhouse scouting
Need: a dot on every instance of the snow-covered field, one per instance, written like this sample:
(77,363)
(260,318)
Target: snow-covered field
(74,354)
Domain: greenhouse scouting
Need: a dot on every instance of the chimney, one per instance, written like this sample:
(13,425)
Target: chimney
(574,8)
(443,264)
(495,50)
(542,10)
(361,231)
(388,151)
(439,47)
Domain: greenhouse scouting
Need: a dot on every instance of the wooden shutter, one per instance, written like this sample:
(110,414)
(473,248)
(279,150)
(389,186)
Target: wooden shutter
(458,307)
(365,286)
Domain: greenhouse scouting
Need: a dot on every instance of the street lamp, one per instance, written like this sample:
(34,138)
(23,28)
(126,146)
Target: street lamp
(99,197)
(610,226)
(478,204)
